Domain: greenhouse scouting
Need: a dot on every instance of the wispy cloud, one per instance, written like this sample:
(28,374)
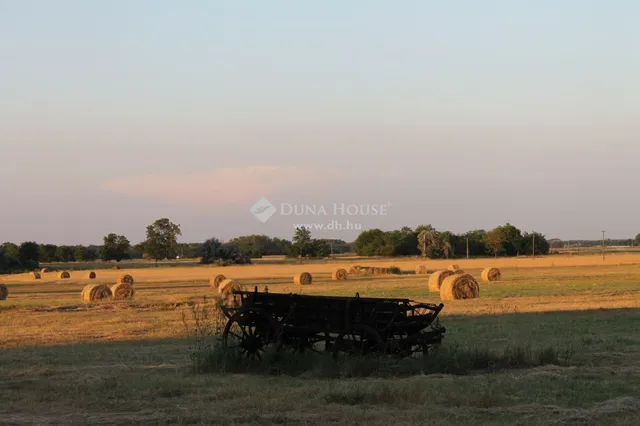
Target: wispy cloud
(220,187)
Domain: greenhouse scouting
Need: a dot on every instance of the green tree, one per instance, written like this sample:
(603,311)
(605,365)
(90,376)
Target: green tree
(115,247)
(494,241)
(371,243)
(301,243)
(210,251)
(429,242)
(48,252)
(512,239)
(162,240)
(11,249)
(542,246)
(64,254)
(29,254)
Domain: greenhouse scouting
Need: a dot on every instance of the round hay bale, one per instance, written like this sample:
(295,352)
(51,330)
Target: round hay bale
(94,292)
(4,291)
(421,270)
(125,279)
(45,270)
(215,281)
(64,275)
(304,278)
(122,291)
(339,275)
(454,267)
(36,275)
(354,270)
(459,286)
(91,275)
(116,267)
(226,289)
(491,274)
(436,279)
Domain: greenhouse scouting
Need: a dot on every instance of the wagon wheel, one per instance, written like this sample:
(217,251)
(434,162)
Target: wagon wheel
(360,340)
(250,331)
(403,346)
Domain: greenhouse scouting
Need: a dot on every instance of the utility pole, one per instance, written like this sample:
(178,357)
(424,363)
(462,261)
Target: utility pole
(603,245)
(534,245)
(467,247)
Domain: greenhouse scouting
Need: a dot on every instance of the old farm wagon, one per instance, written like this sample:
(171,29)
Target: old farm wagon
(350,325)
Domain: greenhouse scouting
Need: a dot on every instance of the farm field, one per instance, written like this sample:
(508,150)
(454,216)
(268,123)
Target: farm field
(63,362)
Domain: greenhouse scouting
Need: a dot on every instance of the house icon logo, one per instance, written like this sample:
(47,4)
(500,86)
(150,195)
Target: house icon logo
(263,210)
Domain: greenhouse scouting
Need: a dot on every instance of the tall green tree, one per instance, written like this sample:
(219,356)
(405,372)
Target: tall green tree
(429,242)
(162,240)
(494,241)
(29,254)
(115,247)
(301,243)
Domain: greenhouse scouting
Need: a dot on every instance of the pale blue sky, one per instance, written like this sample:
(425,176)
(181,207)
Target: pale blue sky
(462,114)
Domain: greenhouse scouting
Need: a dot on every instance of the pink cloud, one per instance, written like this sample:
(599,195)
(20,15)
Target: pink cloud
(219,187)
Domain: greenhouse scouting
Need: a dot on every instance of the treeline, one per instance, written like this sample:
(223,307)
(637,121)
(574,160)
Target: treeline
(598,243)
(427,241)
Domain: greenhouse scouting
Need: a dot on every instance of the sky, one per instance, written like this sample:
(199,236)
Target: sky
(459,114)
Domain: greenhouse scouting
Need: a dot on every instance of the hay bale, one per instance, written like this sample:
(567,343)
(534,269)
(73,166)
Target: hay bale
(226,289)
(459,286)
(125,279)
(116,267)
(454,267)
(4,291)
(215,281)
(421,270)
(354,270)
(304,278)
(436,279)
(93,292)
(491,274)
(339,275)
(36,275)
(64,275)
(91,275)
(122,291)
(45,270)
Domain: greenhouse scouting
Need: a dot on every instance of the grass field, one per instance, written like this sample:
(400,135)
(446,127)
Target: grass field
(62,362)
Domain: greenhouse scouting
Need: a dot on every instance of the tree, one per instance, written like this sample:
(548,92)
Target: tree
(48,252)
(371,243)
(511,239)
(302,245)
(11,249)
(541,244)
(494,241)
(64,254)
(429,242)
(29,255)
(162,240)
(115,247)
(556,243)
(222,254)
(210,250)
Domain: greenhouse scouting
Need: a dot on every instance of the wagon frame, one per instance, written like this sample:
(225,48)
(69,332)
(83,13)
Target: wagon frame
(260,321)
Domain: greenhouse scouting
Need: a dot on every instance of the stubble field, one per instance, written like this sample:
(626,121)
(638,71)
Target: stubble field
(62,362)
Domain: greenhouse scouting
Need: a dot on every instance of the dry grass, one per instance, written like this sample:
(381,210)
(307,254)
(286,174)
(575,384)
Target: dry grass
(115,363)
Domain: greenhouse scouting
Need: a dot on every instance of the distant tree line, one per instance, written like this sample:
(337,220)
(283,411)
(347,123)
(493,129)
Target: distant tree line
(425,240)
(161,243)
